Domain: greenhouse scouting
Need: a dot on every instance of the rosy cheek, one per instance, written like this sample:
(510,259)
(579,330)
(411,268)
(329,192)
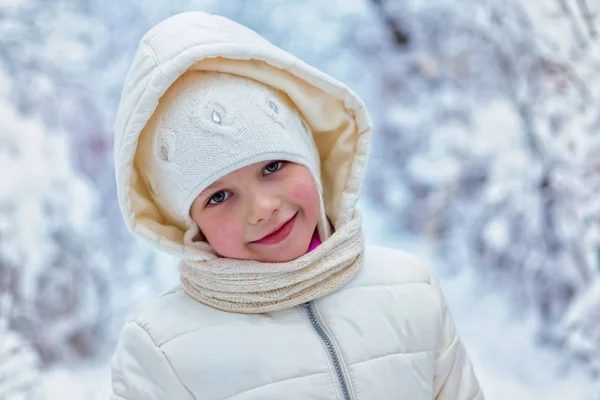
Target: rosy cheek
(223,233)
(304,192)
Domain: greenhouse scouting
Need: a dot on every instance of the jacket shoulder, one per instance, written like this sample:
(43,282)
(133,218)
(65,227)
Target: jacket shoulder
(383,266)
(174,313)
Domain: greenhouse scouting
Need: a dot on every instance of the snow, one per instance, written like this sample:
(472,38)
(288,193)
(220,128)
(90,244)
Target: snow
(18,370)
(508,362)
(501,343)
(447,103)
(89,382)
(7,3)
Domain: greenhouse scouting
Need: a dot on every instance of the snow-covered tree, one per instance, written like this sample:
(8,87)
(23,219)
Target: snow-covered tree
(486,105)
(66,260)
(19,368)
(49,264)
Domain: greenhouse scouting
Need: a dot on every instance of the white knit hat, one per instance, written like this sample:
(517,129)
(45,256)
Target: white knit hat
(209,124)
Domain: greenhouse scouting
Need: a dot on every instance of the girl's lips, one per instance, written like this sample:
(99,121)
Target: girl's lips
(280,234)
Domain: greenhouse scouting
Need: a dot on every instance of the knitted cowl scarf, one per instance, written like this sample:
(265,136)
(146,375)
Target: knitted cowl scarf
(251,287)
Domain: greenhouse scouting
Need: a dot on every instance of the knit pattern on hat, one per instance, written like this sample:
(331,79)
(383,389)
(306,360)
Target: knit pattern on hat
(209,124)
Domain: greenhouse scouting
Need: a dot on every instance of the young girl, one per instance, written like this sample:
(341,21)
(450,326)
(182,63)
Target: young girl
(246,163)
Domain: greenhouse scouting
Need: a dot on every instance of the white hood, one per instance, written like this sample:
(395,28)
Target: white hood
(200,41)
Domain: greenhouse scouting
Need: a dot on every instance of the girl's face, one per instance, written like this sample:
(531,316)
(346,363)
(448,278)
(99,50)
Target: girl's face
(266,212)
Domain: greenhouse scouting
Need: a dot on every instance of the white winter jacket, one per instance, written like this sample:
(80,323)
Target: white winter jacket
(386,335)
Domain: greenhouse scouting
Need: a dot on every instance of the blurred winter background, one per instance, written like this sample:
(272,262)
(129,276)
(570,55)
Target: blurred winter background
(486,162)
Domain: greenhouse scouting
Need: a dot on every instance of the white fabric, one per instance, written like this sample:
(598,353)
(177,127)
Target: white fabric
(390,325)
(209,124)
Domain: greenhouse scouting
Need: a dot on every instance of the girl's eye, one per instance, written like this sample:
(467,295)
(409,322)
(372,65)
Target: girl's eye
(273,167)
(219,197)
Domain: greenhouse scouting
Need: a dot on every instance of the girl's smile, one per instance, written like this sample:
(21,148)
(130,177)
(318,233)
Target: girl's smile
(279,234)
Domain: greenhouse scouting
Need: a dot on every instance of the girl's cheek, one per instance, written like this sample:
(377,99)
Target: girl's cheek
(304,191)
(225,233)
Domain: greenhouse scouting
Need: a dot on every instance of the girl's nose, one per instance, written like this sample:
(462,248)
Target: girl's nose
(262,207)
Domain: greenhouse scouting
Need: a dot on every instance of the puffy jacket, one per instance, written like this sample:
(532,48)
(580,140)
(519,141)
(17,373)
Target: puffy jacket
(386,335)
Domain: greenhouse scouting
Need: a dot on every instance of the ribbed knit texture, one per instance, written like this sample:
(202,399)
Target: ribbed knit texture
(251,287)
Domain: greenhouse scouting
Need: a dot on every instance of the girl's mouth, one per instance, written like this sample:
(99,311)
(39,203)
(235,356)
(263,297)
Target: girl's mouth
(280,234)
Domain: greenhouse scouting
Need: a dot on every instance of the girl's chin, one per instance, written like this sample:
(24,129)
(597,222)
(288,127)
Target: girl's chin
(283,253)
(273,255)
(285,258)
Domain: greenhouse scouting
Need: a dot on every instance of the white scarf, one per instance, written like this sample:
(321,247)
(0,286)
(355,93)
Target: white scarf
(251,287)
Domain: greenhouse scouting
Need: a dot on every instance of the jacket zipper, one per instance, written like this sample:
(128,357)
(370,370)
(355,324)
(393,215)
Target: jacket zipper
(330,347)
